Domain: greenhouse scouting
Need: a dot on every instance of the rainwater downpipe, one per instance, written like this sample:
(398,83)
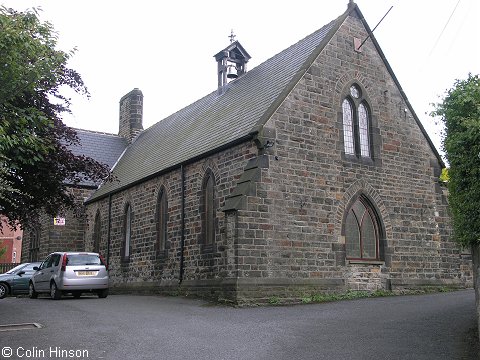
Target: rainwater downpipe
(182,224)
(109,222)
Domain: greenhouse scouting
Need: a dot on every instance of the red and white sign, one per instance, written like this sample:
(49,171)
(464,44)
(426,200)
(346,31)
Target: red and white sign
(59,221)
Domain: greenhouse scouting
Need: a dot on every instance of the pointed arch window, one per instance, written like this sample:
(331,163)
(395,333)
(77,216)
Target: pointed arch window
(362,232)
(34,244)
(209,209)
(127,228)
(356,124)
(162,218)
(348,127)
(97,232)
(363,130)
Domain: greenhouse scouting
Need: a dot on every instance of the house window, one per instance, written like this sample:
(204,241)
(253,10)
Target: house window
(209,209)
(361,232)
(162,216)
(356,124)
(128,232)
(97,233)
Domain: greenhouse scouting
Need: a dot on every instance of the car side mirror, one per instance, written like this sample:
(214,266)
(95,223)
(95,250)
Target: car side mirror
(36,268)
(20,273)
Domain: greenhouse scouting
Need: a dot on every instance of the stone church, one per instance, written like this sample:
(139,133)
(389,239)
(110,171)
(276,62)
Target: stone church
(308,173)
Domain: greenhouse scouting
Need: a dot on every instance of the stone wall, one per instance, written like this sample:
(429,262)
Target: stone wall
(280,234)
(206,269)
(69,237)
(291,237)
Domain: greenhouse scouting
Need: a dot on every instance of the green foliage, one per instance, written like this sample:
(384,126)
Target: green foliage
(460,113)
(274,300)
(349,295)
(35,161)
(444,177)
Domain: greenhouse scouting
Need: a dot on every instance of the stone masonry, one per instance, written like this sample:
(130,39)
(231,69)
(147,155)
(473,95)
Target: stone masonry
(51,237)
(281,209)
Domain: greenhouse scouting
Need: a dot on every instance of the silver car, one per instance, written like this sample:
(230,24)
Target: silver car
(70,273)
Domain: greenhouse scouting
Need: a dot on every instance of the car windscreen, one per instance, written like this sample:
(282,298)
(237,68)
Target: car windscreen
(29,267)
(83,259)
(11,271)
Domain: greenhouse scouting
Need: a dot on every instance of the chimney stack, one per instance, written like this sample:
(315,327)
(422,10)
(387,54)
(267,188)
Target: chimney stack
(131,115)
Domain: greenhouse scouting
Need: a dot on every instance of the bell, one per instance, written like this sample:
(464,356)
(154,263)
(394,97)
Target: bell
(232,72)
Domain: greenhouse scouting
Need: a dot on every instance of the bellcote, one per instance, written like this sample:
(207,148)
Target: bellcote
(232,63)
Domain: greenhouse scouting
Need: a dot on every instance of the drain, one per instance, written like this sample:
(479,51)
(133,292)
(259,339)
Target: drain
(26,326)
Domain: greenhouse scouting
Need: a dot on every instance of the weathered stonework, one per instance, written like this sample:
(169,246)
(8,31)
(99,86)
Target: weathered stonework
(131,115)
(283,194)
(205,270)
(281,233)
(68,237)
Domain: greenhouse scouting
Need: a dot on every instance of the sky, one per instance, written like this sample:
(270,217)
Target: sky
(166,48)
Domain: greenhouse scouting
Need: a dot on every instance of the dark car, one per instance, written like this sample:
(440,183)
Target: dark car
(15,281)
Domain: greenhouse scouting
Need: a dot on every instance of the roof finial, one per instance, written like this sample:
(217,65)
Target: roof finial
(232,37)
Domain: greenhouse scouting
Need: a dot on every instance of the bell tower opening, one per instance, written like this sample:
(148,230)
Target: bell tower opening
(231,63)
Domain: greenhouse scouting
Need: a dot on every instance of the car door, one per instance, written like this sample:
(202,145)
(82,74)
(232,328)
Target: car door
(41,278)
(22,278)
(55,271)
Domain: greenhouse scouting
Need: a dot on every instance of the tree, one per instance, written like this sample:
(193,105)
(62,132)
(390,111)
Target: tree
(36,164)
(460,113)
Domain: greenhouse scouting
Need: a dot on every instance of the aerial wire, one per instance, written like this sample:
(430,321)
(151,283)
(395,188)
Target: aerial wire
(443,30)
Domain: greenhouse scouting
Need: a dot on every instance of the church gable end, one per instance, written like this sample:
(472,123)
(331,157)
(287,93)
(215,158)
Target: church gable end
(333,189)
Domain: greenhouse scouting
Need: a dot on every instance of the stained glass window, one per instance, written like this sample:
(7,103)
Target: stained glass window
(348,127)
(361,233)
(355,91)
(356,124)
(363,130)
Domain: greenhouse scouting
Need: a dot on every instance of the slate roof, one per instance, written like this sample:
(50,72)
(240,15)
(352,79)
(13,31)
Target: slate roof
(104,148)
(217,121)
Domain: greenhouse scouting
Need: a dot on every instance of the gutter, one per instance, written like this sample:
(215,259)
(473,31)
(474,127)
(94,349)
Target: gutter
(226,146)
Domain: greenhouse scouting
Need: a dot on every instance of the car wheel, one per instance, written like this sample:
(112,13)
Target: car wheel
(3,290)
(77,295)
(55,294)
(102,294)
(32,294)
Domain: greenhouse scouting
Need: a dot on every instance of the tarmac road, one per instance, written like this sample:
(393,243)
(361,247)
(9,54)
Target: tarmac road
(435,326)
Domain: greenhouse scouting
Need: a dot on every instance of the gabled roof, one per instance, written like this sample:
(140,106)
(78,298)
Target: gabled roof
(214,121)
(102,147)
(218,121)
(235,46)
